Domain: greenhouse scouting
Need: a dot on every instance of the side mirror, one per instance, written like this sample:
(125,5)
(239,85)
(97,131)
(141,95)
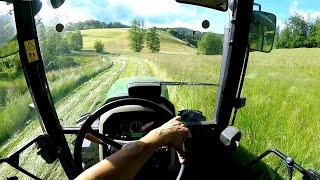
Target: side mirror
(55,3)
(262,31)
(220,5)
(37,5)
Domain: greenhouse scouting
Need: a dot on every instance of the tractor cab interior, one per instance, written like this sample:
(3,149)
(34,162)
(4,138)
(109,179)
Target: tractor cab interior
(123,94)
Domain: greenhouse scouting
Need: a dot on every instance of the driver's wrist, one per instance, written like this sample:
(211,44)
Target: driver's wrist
(152,139)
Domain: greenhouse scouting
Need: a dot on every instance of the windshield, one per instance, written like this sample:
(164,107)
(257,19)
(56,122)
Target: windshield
(88,51)
(89,46)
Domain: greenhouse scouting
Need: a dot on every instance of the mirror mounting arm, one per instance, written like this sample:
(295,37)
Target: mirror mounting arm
(257,4)
(240,102)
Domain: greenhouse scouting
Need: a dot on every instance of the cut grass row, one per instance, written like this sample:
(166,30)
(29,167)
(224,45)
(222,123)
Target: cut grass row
(16,112)
(85,98)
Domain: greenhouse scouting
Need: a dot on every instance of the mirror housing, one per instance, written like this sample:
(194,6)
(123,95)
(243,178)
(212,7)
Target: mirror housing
(220,5)
(55,3)
(262,31)
(37,5)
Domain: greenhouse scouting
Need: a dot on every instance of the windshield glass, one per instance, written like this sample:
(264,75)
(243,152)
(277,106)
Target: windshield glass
(8,42)
(19,120)
(89,47)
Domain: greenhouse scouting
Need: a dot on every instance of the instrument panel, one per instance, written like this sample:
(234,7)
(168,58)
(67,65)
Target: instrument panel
(131,125)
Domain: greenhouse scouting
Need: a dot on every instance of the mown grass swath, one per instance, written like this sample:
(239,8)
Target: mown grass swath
(15,99)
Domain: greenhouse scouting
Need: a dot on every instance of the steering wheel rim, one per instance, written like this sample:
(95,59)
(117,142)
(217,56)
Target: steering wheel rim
(86,127)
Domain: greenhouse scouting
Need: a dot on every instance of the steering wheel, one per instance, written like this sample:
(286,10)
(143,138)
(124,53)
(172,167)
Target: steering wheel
(87,129)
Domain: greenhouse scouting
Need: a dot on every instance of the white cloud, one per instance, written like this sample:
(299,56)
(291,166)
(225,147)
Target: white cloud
(64,14)
(281,24)
(160,13)
(172,14)
(4,8)
(306,14)
(151,8)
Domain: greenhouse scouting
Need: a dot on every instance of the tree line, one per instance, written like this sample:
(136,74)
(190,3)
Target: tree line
(298,32)
(93,24)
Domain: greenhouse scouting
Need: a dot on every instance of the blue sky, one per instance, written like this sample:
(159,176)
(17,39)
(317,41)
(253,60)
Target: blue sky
(167,13)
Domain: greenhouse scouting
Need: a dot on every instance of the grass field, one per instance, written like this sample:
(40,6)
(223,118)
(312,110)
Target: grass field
(281,90)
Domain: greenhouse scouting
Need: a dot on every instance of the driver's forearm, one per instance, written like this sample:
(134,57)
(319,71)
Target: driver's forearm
(123,164)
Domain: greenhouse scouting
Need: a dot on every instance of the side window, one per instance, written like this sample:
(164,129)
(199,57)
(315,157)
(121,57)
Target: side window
(19,122)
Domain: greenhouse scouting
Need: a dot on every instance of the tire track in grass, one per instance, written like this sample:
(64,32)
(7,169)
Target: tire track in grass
(85,98)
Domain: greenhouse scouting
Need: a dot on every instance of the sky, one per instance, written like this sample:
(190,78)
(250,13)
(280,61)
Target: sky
(165,13)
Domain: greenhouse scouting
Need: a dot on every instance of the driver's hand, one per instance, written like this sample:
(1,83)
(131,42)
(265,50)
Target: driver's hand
(172,134)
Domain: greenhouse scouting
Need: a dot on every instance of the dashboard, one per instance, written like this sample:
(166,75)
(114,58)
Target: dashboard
(131,126)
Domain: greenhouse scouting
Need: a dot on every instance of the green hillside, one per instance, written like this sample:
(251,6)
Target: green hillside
(116,40)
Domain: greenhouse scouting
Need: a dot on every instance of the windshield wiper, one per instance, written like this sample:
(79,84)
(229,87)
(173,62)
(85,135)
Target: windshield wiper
(167,83)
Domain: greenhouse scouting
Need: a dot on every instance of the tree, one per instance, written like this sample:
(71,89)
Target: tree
(153,41)
(210,44)
(311,40)
(75,40)
(284,38)
(136,35)
(300,29)
(298,33)
(317,32)
(52,44)
(98,46)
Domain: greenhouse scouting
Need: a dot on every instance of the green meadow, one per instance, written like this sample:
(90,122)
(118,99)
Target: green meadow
(282,91)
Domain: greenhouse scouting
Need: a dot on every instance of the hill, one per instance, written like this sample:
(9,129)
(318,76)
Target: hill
(116,40)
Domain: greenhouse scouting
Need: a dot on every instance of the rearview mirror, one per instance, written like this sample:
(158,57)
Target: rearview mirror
(56,3)
(262,31)
(220,5)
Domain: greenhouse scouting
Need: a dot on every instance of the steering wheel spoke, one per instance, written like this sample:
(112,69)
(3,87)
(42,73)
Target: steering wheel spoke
(98,138)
